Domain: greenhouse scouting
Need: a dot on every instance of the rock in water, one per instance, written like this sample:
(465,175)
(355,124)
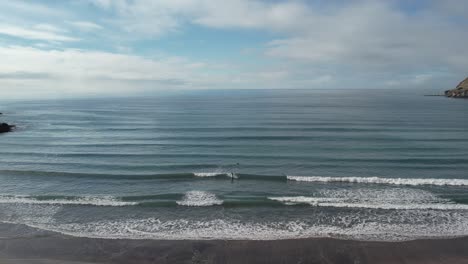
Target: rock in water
(461,91)
(4,127)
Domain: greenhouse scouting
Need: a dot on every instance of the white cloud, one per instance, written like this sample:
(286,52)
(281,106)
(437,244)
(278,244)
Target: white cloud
(146,18)
(275,16)
(75,72)
(36,33)
(30,9)
(48,27)
(374,34)
(86,25)
(422,78)
(72,72)
(158,17)
(91,64)
(102,3)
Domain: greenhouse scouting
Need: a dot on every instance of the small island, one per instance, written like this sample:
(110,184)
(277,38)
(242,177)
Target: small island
(461,91)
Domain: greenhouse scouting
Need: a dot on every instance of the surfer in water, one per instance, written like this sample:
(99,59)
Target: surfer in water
(232,174)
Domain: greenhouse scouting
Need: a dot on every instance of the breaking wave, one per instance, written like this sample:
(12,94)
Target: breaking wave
(223,175)
(188,229)
(208,174)
(341,203)
(378,180)
(370,198)
(199,198)
(64,200)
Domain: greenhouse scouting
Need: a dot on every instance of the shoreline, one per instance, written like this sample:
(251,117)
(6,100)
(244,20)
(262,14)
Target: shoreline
(22,244)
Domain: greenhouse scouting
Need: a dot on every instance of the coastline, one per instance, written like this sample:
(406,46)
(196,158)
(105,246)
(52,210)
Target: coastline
(21,244)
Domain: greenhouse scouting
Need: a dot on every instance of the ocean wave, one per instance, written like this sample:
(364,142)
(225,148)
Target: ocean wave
(219,175)
(378,180)
(208,174)
(241,176)
(392,198)
(116,176)
(232,229)
(64,200)
(216,174)
(200,198)
(343,203)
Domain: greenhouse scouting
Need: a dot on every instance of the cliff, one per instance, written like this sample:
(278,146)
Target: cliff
(461,91)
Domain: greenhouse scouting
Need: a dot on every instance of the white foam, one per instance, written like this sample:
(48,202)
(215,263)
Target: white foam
(85,200)
(199,198)
(342,203)
(372,194)
(378,180)
(185,229)
(207,174)
(386,225)
(214,174)
(396,198)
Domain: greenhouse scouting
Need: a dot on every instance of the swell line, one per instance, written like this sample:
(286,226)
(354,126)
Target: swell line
(378,180)
(208,199)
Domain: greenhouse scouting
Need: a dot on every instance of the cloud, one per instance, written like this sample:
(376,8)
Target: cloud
(24,75)
(452,8)
(89,64)
(48,27)
(422,78)
(40,32)
(145,18)
(74,72)
(30,9)
(159,17)
(86,25)
(78,72)
(274,16)
(375,34)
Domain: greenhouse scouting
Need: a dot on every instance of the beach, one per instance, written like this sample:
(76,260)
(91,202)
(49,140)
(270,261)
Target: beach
(20,244)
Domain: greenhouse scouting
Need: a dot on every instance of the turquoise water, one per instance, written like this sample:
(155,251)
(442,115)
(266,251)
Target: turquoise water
(257,164)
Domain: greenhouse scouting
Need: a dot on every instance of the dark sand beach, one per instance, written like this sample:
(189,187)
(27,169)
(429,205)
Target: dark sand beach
(21,244)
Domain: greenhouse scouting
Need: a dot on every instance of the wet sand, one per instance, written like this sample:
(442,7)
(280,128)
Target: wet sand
(20,244)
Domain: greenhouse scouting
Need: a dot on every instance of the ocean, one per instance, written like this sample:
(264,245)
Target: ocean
(247,164)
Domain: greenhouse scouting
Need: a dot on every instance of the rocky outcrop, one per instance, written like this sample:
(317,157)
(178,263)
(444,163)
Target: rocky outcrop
(461,91)
(4,127)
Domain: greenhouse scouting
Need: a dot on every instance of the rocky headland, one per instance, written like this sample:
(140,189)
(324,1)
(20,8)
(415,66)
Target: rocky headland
(461,91)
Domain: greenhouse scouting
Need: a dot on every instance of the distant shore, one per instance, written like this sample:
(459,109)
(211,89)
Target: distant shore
(20,244)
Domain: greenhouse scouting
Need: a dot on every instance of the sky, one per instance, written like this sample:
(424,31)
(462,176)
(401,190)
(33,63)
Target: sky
(54,48)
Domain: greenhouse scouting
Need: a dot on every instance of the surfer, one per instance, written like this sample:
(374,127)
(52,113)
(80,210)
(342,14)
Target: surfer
(232,174)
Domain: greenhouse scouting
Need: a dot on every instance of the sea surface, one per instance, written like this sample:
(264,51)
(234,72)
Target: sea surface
(250,164)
